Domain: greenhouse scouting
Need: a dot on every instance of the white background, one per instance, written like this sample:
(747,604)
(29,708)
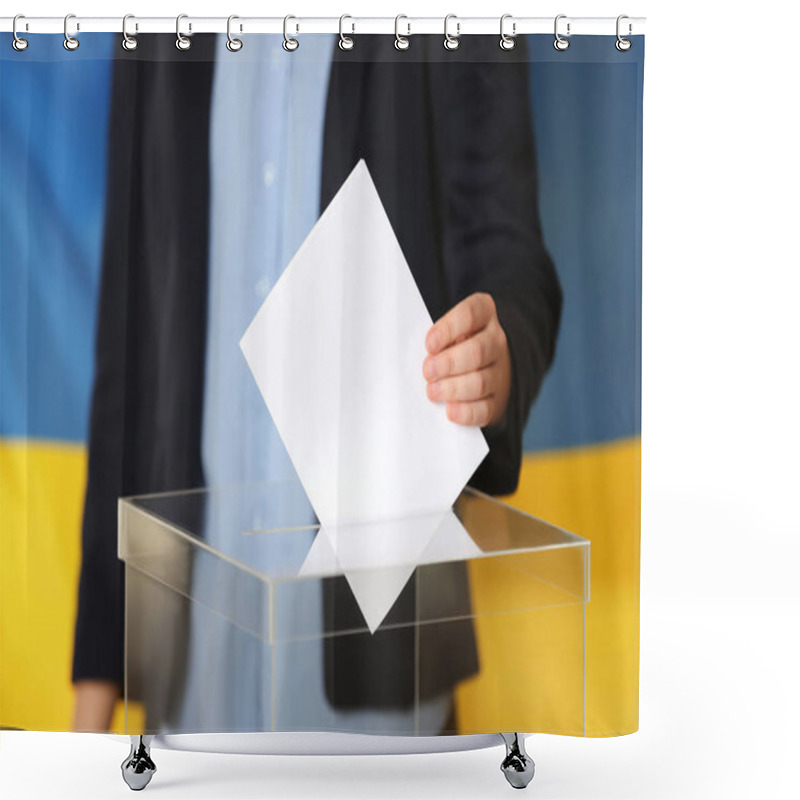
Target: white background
(720,532)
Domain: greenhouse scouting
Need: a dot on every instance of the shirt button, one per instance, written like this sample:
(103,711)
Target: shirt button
(268,173)
(262,287)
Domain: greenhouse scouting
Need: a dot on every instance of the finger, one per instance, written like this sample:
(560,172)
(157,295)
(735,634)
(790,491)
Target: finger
(472,354)
(478,413)
(472,386)
(469,316)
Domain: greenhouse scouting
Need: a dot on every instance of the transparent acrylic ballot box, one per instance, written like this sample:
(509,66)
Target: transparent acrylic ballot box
(244,614)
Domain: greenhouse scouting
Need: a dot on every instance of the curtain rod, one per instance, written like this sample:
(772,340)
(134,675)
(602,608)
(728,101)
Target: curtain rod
(567,26)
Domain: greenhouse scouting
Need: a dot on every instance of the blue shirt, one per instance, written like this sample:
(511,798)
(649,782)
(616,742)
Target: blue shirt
(267,123)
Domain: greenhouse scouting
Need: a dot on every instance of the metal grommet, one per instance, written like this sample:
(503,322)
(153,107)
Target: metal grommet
(346,42)
(507,42)
(289,43)
(128,42)
(182,42)
(451,42)
(233,44)
(401,42)
(18,43)
(622,44)
(560,43)
(70,42)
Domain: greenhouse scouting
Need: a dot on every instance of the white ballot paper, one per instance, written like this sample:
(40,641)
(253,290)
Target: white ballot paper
(337,350)
(379,558)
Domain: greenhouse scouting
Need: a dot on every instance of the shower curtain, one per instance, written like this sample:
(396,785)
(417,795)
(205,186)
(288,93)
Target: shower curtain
(150,201)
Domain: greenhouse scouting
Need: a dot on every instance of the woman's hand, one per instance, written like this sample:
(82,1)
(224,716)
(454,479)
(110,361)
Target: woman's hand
(469,366)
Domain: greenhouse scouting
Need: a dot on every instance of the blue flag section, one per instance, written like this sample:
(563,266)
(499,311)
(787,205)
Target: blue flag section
(53,129)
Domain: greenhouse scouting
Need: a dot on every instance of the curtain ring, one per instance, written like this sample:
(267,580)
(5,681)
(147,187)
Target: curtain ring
(560,42)
(128,42)
(622,44)
(18,43)
(346,42)
(70,42)
(507,42)
(233,44)
(182,42)
(401,42)
(289,43)
(451,42)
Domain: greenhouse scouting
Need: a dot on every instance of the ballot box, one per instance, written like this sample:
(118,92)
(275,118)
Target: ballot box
(245,615)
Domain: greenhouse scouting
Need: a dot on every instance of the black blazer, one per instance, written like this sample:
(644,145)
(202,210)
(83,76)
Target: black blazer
(448,139)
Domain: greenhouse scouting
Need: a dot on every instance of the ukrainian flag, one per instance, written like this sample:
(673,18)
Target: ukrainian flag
(53,128)
(582,464)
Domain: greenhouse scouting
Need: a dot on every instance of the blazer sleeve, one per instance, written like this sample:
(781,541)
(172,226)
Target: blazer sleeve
(149,353)
(100,617)
(491,233)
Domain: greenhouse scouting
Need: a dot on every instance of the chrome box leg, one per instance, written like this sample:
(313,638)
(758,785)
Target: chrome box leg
(138,767)
(517,766)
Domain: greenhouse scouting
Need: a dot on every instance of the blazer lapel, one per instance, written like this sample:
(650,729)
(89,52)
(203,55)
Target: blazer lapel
(340,150)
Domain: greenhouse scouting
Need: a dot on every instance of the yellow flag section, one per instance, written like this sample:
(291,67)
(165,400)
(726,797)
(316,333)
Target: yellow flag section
(593,492)
(41,504)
